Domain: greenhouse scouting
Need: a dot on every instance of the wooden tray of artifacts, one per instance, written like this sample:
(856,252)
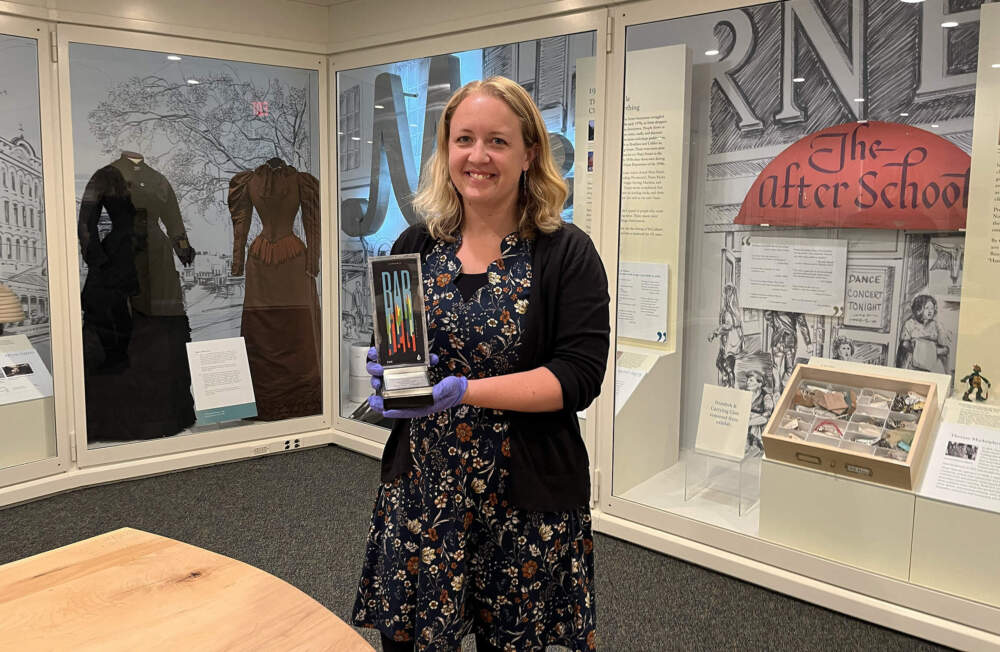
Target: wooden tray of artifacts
(863,426)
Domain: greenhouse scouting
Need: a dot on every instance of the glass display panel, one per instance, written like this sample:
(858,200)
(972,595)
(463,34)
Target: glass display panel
(386,124)
(826,148)
(197,198)
(26,389)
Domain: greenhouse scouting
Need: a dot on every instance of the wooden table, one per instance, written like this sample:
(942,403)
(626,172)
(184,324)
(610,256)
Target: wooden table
(132,590)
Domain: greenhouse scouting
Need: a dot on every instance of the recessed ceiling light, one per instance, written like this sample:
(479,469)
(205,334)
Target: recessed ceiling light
(859,99)
(711,53)
(173,57)
(193,82)
(355,138)
(949,23)
(379,106)
(935,126)
(798,80)
(904,114)
(995,65)
(369,142)
(340,133)
(912,2)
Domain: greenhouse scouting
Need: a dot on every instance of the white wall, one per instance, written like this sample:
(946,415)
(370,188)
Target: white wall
(357,24)
(286,24)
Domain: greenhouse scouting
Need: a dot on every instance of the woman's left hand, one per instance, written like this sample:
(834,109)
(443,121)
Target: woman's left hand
(447,394)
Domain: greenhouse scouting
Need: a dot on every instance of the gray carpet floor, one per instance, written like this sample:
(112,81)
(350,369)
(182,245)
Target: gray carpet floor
(304,517)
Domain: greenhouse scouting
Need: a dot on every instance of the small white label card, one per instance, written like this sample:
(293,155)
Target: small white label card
(722,426)
(220,379)
(23,375)
(642,301)
(964,466)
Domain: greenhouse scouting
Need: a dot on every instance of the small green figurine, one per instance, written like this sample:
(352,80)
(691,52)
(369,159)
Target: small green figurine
(976,380)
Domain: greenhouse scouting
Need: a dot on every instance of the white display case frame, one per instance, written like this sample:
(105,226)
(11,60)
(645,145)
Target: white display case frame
(367,438)
(56,252)
(867,595)
(277,432)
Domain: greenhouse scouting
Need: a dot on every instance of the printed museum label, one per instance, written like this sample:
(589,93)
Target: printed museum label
(864,174)
(723,423)
(220,380)
(653,179)
(794,275)
(642,301)
(964,466)
(586,140)
(23,375)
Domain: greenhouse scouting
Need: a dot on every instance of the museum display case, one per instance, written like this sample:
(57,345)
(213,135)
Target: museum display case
(200,234)
(32,353)
(797,188)
(387,117)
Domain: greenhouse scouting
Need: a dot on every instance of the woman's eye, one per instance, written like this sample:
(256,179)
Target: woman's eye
(463,139)
(499,141)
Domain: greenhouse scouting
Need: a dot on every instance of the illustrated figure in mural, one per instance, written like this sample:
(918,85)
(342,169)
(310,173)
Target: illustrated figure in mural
(730,334)
(761,407)
(976,380)
(843,348)
(784,343)
(492,479)
(922,342)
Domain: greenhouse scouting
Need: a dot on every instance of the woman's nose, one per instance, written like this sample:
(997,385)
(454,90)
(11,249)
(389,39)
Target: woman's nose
(479,153)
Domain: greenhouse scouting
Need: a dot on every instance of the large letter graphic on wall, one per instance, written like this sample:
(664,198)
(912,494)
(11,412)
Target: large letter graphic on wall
(392,155)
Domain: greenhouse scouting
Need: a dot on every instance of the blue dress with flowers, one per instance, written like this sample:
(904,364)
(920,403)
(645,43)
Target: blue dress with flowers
(447,553)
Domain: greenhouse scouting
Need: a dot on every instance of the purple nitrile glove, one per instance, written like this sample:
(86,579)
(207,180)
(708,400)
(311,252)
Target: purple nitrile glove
(447,394)
(375,369)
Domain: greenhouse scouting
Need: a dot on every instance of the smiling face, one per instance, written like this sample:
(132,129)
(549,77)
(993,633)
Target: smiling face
(487,153)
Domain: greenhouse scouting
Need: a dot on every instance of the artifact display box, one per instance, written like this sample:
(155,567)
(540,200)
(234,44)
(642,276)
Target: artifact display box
(858,425)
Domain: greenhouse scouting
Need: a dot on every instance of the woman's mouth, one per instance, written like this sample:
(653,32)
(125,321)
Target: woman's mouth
(479,176)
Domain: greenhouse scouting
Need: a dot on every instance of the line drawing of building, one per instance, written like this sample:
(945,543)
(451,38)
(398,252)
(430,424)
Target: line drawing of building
(23,260)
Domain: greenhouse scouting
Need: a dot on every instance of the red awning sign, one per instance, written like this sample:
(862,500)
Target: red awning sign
(865,175)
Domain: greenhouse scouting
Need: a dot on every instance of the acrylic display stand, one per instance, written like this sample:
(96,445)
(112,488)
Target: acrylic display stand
(736,482)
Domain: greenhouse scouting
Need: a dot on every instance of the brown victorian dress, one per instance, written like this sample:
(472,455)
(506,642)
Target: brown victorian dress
(281,306)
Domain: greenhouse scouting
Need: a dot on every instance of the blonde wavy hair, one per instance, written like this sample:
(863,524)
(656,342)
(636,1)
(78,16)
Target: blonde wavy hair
(542,190)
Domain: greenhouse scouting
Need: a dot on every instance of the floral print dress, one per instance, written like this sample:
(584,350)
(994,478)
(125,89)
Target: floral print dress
(447,553)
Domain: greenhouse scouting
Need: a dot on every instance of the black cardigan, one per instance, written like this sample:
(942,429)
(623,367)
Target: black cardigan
(567,330)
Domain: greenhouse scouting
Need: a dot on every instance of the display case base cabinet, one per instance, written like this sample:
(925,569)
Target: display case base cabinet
(852,603)
(956,550)
(860,524)
(29,431)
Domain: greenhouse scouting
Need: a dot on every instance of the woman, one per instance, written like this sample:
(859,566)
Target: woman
(761,407)
(843,348)
(481,523)
(922,343)
(730,334)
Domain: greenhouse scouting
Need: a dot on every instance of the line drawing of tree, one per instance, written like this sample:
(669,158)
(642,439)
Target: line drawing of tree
(210,128)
